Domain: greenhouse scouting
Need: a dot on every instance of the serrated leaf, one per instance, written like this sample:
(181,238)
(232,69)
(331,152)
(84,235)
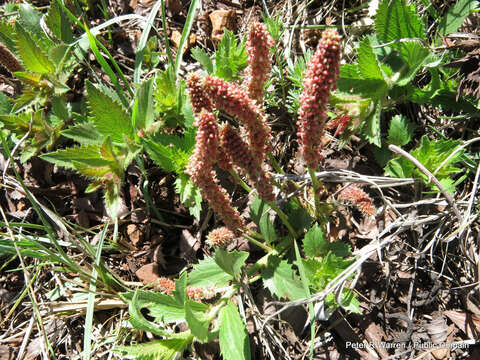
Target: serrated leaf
(400,131)
(6,104)
(208,273)
(415,55)
(58,22)
(230,57)
(7,36)
(395,19)
(315,244)
(30,19)
(371,128)
(168,349)
(351,82)
(234,341)
(367,61)
(280,278)
(32,56)
(88,154)
(162,156)
(197,321)
(180,288)
(202,57)
(142,112)
(455,16)
(231,262)
(298,216)
(190,195)
(84,133)
(109,117)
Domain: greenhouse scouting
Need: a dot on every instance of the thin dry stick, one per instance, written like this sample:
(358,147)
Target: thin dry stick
(431,177)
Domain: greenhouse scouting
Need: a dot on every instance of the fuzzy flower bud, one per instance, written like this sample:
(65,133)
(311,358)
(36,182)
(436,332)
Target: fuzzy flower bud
(8,60)
(166,285)
(220,237)
(200,169)
(359,198)
(320,79)
(258,47)
(198,98)
(241,156)
(235,101)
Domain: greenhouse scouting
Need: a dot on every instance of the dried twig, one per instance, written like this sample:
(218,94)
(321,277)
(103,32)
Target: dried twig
(431,177)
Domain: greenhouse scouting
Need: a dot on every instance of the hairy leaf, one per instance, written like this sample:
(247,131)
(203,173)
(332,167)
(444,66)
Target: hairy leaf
(84,133)
(455,16)
(208,273)
(88,154)
(202,57)
(190,195)
(315,244)
(367,61)
(168,349)
(142,112)
(230,57)
(59,23)
(282,281)
(400,131)
(109,117)
(234,341)
(32,56)
(231,262)
(197,321)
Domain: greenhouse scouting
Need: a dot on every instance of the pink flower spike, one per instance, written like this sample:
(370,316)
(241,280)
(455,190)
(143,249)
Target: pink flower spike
(258,47)
(359,198)
(235,101)
(320,79)
(198,97)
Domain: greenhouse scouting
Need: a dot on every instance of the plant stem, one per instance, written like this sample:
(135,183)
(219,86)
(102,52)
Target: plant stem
(242,183)
(284,219)
(316,188)
(258,243)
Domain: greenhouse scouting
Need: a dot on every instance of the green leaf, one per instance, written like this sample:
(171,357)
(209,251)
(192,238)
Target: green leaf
(315,244)
(416,56)
(113,199)
(208,273)
(190,195)
(298,216)
(88,154)
(109,117)
(367,61)
(142,113)
(431,154)
(30,19)
(6,104)
(168,349)
(280,278)
(32,56)
(230,57)
(59,23)
(371,129)
(455,16)
(231,262)
(202,57)
(198,321)
(395,19)
(351,82)
(84,133)
(234,341)
(400,131)
(135,306)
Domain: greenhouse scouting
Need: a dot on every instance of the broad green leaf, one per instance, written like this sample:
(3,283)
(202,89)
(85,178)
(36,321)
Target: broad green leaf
(230,57)
(59,23)
(351,82)
(280,278)
(97,172)
(32,56)
(367,61)
(231,262)
(315,244)
(137,319)
(84,133)
(180,291)
(197,321)
(7,36)
(400,131)
(142,113)
(109,117)
(168,349)
(234,341)
(88,154)
(190,195)
(208,273)
(395,19)
(455,16)
(298,216)
(258,209)
(112,199)
(202,57)
(6,104)
(371,129)
(415,55)
(30,19)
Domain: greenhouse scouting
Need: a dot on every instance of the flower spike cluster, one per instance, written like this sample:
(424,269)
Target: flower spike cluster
(320,79)
(200,169)
(359,198)
(241,156)
(233,100)
(258,47)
